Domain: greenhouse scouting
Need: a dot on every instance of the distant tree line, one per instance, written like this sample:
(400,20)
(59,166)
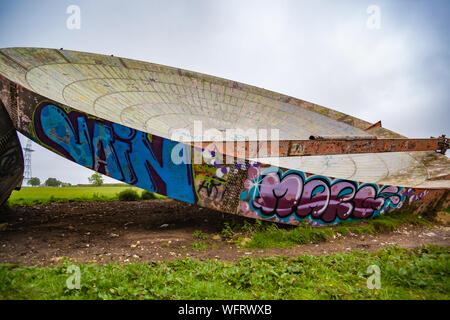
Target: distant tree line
(96,180)
(50,182)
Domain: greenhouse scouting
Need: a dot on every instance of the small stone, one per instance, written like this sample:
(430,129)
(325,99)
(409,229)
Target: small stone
(56,259)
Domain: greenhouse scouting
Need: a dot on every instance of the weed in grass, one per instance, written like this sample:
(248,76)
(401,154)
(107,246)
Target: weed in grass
(227,232)
(128,195)
(235,228)
(147,195)
(96,196)
(276,237)
(199,246)
(200,235)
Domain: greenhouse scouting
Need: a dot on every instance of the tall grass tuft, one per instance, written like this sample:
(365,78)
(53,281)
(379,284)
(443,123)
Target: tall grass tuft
(147,195)
(128,195)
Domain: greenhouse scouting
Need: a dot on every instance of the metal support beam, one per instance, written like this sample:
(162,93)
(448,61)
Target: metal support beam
(323,146)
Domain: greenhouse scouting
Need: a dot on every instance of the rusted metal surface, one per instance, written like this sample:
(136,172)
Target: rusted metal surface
(349,138)
(442,144)
(444,177)
(375,125)
(321,146)
(337,146)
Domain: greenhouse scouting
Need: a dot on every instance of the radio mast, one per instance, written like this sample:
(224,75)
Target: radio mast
(27,159)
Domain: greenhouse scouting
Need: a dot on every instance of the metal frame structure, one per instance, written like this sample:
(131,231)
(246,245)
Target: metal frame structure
(114,115)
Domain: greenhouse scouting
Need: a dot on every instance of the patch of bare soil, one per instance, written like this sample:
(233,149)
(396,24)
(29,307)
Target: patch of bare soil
(152,230)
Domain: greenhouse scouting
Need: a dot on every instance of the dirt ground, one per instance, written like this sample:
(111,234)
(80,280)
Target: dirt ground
(146,231)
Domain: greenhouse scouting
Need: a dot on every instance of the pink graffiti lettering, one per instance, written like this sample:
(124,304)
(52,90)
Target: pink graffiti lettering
(288,194)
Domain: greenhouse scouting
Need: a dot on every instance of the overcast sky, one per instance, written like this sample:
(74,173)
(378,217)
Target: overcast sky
(319,51)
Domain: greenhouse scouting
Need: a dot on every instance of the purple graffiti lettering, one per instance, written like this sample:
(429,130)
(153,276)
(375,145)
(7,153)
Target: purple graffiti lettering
(273,193)
(315,199)
(278,196)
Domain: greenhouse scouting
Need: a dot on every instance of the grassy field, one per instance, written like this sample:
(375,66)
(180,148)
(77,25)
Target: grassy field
(39,195)
(422,273)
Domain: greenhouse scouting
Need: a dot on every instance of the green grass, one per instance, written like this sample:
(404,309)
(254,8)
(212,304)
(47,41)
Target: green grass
(42,195)
(422,273)
(383,223)
(275,237)
(200,235)
(269,235)
(199,246)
